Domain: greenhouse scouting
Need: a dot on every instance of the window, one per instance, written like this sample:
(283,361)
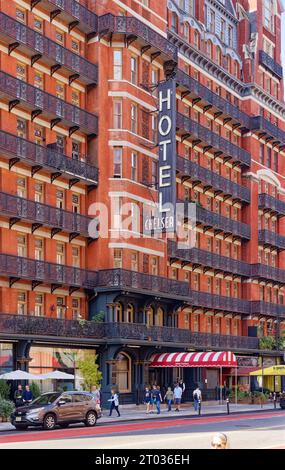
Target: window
(196,323)
(22,128)
(21,187)
(59,37)
(75,201)
(134,118)
(60,199)
(38,24)
(22,303)
(218,326)
(223,28)
(118,105)
(118,151)
(218,286)
(21,15)
(154,128)
(268,157)
(75,46)
(60,143)
(154,171)
(228,289)
(228,326)
(118,64)
(154,265)
(118,258)
(60,253)
(134,261)
(261,153)
(39,192)
(209,324)
(154,79)
(122,372)
(75,98)
(21,245)
(60,307)
(230,36)
(21,71)
(39,249)
(268,12)
(275,161)
(39,312)
(134,70)
(60,91)
(75,309)
(39,80)
(212,21)
(235,328)
(134,169)
(39,134)
(196,282)
(75,256)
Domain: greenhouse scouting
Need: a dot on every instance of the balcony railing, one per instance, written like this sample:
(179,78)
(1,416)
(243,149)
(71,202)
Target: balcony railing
(268,272)
(136,30)
(219,302)
(74,12)
(259,123)
(270,64)
(41,47)
(18,208)
(212,140)
(24,325)
(208,259)
(271,238)
(208,177)
(200,91)
(49,158)
(269,202)
(219,222)
(267,308)
(124,279)
(18,267)
(39,102)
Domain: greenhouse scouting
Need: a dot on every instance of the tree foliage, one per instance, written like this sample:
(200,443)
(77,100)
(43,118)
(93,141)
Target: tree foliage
(90,371)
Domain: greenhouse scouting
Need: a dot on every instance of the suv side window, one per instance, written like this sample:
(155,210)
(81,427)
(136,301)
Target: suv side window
(66,397)
(80,398)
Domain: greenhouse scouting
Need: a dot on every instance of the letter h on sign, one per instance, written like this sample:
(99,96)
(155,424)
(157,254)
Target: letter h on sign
(167,152)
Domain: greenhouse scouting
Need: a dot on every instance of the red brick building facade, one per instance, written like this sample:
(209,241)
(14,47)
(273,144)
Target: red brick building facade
(79,84)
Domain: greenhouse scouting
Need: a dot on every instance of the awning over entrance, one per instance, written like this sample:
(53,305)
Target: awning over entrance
(194,359)
(270,371)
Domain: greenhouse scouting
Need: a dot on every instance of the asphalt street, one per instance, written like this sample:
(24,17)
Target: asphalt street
(248,431)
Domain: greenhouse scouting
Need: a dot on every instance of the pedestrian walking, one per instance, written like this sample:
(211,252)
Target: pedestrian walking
(177,396)
(96,394)
(18,396)
(169,396)
(220,441)
(114,403)
(27,395)
(147,399)
(156,397)
(197,395)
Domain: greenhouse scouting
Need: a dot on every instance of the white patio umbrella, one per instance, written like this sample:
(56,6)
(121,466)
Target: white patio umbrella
(56,375)
(19,375)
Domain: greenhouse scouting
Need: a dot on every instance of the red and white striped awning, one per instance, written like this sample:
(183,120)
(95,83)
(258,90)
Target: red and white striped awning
(194,359)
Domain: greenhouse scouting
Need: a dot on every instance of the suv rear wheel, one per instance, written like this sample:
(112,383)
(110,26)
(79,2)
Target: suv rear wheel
(91,419)
(49,422)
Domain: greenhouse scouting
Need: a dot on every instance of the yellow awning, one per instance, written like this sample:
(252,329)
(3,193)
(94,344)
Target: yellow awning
(273,370)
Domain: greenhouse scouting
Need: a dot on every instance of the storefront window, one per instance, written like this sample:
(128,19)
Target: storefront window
(122,373)
(6,357)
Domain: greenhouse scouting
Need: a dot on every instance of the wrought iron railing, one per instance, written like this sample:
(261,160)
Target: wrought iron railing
(50,105)
(260,123)
(43,214)
(220,144)
(47,157)
(208,177)
(270,202)
(271,238)
(270,64)
(267,308)
(48,49)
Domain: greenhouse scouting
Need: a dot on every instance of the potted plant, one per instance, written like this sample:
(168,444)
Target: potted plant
(6,409)
(267,342)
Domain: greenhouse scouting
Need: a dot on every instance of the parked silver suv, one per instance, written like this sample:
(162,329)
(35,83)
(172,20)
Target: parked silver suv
(55,408)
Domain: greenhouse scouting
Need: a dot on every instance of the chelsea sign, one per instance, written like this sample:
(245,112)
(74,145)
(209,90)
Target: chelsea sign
(164,217)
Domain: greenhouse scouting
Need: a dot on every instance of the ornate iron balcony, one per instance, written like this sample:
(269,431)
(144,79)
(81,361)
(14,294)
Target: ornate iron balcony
(219,302)
(40,47)
(197,90)
(208,259)
(269,202)
(271,238)
(211,140)
(219,222)
(270,64)
(212,179)
(75,12)
(136,31)
(17,92)
(259,123)
(17,267)
(24,325)
(18,149)
(268,272)
(18,208)
(258,307)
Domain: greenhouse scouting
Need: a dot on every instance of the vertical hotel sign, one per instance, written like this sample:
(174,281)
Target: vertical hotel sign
(164,220)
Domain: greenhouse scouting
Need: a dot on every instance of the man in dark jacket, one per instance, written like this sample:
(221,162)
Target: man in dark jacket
(18,396)
(27,395)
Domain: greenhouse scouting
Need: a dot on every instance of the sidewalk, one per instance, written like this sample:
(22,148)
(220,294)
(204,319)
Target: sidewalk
(187,410)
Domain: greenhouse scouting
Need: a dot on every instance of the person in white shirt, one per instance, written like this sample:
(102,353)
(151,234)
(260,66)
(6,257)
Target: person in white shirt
(197,395)
(177,396)
(114,403)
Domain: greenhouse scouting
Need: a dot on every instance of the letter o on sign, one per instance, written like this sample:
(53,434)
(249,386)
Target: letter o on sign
(168,127)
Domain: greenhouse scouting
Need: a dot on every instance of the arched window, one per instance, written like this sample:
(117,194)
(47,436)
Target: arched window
(209,49)
(174,22)
(122,372)
(186,31)
(119,313)
(150,317)
(218,55)
(236,68)
(196,39)
(159,317)
(130,314)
